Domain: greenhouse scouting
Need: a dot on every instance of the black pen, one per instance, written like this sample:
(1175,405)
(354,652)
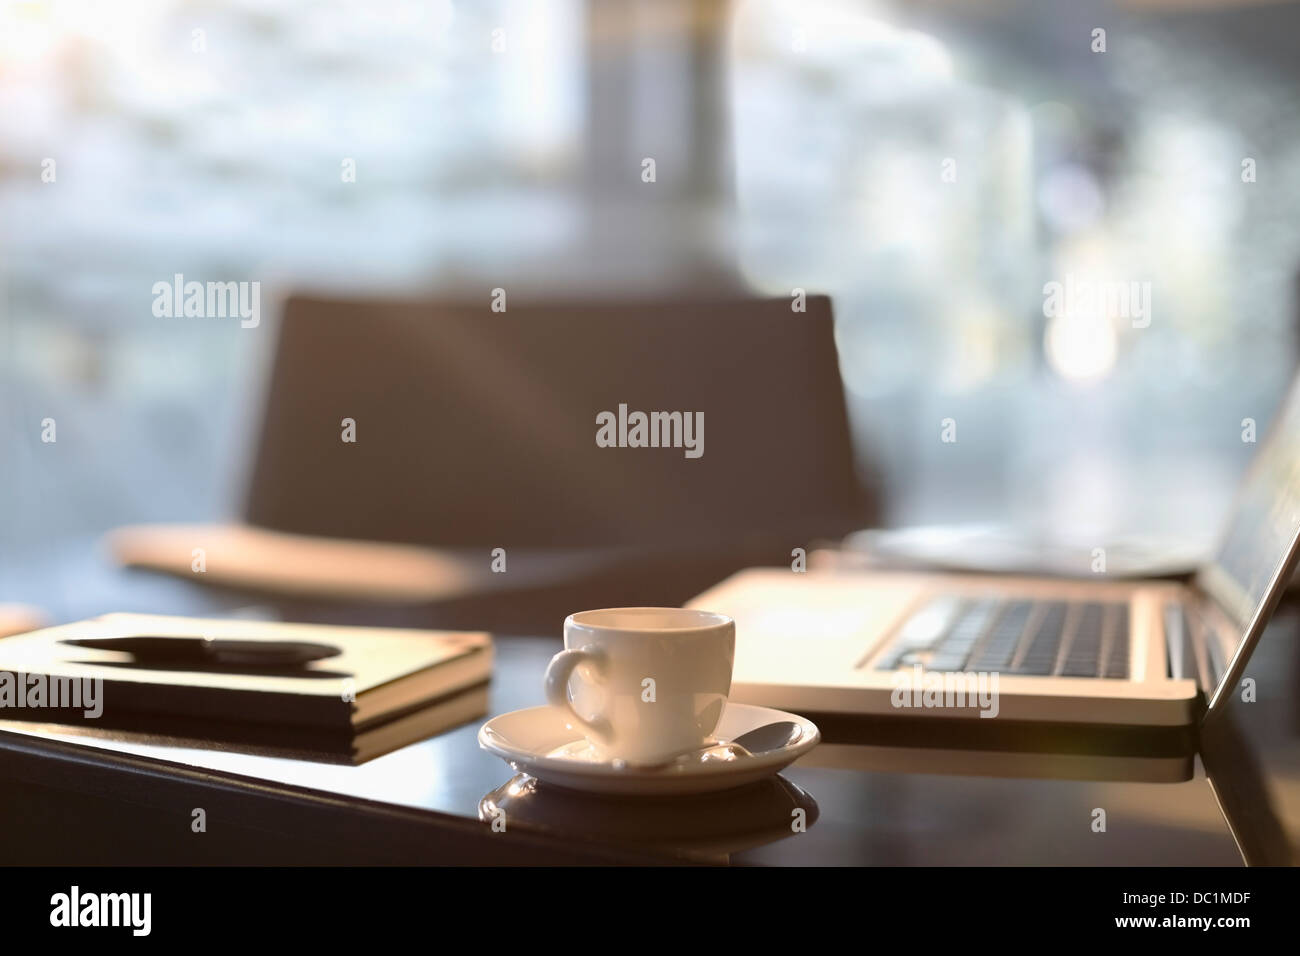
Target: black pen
(202,650)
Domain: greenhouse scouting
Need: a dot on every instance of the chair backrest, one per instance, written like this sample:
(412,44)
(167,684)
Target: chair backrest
(480,428)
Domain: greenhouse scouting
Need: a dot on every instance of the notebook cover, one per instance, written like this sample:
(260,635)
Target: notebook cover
(379,672)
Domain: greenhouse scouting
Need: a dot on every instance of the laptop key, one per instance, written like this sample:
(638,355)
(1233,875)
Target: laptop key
(995,653)
(955,648)
(1040,657)
(1082,658)
(922,631)
(1116,663)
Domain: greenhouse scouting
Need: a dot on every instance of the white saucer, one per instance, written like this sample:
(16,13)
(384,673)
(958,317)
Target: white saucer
(535,741)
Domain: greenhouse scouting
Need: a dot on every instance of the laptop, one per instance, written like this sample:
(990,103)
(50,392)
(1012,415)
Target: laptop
(1140,652)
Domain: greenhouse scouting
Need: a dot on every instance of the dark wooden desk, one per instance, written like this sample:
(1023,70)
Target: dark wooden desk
(875,798)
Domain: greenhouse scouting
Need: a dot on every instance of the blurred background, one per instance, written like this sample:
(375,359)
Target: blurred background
(931,165)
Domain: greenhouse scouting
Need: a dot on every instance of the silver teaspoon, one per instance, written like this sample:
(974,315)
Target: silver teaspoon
(769,737)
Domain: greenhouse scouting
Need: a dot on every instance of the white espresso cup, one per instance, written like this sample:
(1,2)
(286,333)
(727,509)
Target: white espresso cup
(643,684)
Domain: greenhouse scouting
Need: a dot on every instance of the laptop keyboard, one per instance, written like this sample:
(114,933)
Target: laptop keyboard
(1030,638)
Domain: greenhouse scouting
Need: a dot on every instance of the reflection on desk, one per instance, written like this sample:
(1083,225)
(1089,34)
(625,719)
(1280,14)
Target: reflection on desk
(707,827)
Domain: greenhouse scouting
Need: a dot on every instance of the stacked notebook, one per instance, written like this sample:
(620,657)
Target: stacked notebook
(363,683)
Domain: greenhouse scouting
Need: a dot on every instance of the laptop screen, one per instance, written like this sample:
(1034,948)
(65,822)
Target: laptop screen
(1257,555)
(642,424)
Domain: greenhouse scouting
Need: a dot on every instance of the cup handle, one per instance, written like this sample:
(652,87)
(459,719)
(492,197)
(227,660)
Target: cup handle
(558,673)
